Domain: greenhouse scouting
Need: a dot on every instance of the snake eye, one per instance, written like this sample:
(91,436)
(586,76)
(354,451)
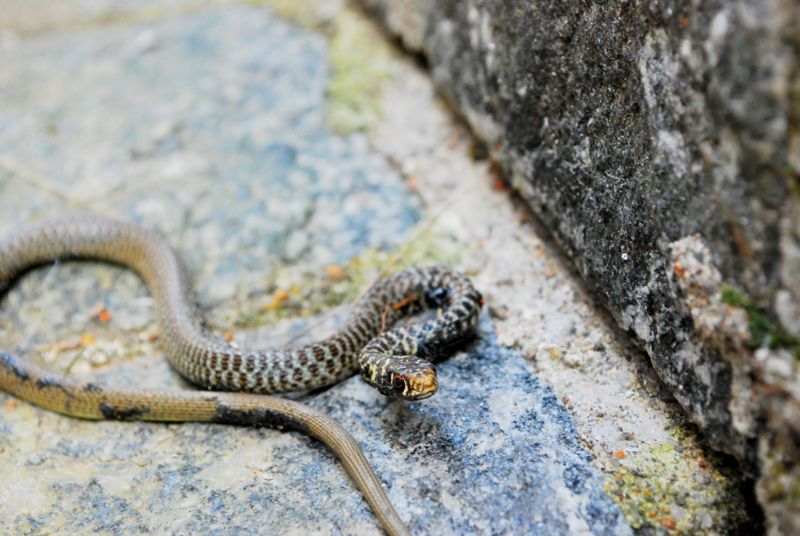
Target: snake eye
(438,296)
(398,383)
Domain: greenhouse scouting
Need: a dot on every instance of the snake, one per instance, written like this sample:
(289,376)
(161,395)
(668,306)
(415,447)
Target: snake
(239,386)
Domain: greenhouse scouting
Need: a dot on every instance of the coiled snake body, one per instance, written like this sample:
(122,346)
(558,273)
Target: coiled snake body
(396,361)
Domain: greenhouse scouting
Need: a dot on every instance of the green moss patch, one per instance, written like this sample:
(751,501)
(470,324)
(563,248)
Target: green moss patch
(763,332)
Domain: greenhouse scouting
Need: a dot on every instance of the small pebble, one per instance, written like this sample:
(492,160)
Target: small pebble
(34,459)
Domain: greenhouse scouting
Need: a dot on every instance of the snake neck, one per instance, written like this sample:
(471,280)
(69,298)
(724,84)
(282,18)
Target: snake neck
(209,360)
(398,362)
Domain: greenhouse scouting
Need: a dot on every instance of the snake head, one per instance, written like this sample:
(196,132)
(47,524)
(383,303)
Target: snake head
(404,376)
(416,384)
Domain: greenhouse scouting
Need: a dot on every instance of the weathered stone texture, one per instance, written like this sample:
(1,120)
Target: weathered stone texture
(209,126)
(629,128)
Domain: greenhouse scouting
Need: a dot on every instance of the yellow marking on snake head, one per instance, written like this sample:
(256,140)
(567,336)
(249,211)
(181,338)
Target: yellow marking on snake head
(419,385)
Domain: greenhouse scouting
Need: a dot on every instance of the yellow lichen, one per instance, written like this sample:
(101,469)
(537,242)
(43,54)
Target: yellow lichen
(674,487)
(360,67)
(360,59)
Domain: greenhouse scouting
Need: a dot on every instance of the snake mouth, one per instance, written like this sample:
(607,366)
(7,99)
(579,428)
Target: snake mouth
(421,385)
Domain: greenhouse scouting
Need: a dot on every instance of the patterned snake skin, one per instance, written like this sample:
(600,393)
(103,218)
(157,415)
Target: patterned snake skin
(396,362)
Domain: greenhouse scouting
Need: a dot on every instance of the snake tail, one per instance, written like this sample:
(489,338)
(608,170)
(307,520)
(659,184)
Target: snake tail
(64,395)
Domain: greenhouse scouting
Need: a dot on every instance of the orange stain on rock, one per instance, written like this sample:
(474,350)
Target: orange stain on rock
(335,272)
(668,522)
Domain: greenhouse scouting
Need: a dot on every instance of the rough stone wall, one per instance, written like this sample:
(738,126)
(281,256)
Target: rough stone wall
(658,140)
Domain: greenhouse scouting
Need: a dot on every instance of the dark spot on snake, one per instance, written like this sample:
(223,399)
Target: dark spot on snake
(10,364)
(92,388)
(256,417)
(45,382)
(109,411)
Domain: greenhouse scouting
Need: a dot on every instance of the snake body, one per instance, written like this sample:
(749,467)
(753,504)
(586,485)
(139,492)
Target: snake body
(397,361)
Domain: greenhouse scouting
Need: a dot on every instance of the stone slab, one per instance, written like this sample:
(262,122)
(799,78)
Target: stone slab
(209,126)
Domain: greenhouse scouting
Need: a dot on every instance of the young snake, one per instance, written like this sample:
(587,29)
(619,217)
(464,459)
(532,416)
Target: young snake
(395,361)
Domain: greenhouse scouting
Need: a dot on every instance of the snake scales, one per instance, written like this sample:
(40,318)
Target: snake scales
(396,361)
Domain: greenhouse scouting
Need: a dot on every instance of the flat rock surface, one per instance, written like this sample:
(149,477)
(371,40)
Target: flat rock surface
(209,126)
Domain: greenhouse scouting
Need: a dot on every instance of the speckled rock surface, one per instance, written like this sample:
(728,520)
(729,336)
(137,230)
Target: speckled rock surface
(207,123)
(656,468)
(466,462)
(628,128)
